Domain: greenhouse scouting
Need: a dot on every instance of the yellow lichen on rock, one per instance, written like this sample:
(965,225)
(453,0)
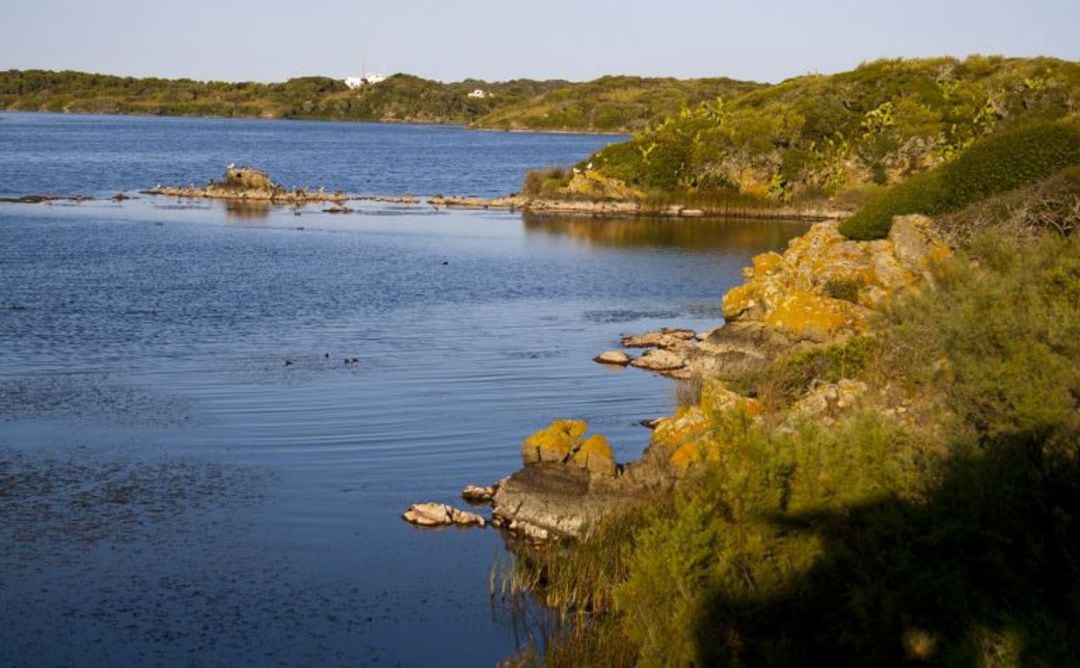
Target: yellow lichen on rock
(766,263)
(825,285)
(594,184)
(553,443)
(716,397)
(563,441)
(738,300)
(595,455)
(803,315)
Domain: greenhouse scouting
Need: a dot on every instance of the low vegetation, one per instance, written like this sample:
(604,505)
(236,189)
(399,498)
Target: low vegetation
(827,136)
(934,522)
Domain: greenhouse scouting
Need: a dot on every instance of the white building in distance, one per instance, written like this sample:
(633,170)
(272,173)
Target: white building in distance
(366,80)
(478,94)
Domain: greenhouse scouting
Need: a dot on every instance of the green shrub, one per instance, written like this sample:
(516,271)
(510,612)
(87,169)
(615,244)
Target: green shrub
(790,376)
(1001,338)
(545,183)
(994,165)
(847,290)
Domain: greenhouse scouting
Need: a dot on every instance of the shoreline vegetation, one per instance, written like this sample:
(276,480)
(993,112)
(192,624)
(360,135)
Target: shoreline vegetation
(877,455)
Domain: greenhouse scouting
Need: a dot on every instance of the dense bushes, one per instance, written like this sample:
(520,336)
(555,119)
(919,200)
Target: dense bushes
(997,164)
(545,183)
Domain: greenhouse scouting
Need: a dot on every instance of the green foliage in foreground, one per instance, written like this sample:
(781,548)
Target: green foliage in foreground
(945,535)
(817,136)
(999,163)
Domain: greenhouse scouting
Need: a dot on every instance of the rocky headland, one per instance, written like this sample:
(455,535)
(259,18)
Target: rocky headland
(822,291)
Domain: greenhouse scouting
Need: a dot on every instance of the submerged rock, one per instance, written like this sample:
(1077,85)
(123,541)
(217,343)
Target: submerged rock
(478,494)
(439,514)
(613,358)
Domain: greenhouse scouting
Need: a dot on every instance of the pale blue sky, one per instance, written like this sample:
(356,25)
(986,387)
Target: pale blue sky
(271,40)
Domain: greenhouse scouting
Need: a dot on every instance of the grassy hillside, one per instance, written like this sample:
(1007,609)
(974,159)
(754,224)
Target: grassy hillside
(611,104)
(400,98)
(817,135)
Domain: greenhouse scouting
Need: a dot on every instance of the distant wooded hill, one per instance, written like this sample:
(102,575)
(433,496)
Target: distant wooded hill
(609,104)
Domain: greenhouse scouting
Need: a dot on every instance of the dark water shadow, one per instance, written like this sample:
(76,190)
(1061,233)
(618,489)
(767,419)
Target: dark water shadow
(697,234)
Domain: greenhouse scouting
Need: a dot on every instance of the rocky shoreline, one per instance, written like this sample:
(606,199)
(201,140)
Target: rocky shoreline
(822,291)
(626,208)
(248,184)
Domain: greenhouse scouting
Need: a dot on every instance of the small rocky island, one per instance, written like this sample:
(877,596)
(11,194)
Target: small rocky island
(248,183)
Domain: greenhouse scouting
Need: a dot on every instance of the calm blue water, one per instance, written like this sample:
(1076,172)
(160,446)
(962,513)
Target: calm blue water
(173,492)
(100,155)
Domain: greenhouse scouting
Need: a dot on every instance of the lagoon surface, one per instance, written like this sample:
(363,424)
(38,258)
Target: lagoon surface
(191,472)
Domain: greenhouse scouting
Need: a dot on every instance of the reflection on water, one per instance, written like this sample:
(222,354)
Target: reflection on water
(695,234)
(247,209)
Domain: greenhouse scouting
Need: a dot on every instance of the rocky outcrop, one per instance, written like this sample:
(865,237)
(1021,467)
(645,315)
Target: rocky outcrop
(569,482)
(826,286)
(826,401)
(439,514)
(683,441)
(822,290)
(594,185)
(248,183)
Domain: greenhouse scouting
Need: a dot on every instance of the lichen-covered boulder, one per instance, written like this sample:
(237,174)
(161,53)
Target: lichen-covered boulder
(553,443)
(807,316)
(595,455)
(564,442)
(825,286)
